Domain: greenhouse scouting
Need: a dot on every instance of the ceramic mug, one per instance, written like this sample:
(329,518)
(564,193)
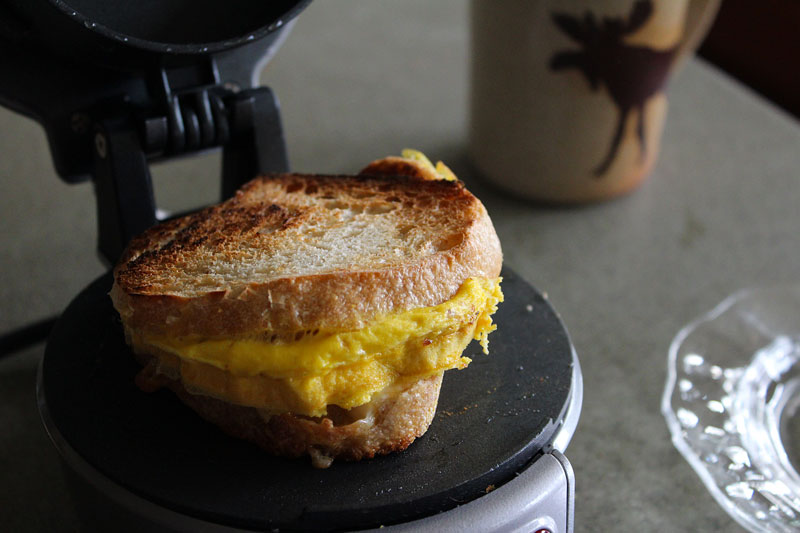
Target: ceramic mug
(567,99)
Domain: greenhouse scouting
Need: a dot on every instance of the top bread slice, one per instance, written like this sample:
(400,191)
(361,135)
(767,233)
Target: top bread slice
(291,253)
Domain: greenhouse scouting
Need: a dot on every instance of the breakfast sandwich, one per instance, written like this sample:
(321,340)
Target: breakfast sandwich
(315,315)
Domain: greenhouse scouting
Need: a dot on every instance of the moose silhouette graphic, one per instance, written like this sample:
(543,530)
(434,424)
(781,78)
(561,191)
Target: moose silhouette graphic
(631,74)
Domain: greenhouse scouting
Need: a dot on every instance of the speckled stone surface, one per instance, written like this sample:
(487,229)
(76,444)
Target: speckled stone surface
(358,80)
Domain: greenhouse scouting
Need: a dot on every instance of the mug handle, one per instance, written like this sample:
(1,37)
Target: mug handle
(700,14)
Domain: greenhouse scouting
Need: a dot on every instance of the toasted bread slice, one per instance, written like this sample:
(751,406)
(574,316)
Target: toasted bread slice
(290,253)
(390,422)
(412,163)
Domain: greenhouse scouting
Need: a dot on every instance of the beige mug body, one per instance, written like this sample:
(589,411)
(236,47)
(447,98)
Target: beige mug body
(567,100)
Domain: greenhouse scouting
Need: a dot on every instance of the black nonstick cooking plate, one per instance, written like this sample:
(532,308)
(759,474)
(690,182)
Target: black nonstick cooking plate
(493,418)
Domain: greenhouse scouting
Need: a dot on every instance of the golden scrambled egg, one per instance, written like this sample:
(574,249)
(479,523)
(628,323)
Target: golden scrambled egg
(440,171)
(345,368)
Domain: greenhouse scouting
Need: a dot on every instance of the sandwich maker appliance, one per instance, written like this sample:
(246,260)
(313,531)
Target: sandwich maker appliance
(118,85)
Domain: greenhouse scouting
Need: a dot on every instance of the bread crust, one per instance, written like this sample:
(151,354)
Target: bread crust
(338,299)
(395,423)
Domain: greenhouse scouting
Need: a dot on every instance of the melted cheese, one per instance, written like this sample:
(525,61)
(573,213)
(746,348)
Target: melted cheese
(345,368)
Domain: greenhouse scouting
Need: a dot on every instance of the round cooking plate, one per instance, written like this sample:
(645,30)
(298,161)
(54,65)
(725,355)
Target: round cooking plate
(492,419)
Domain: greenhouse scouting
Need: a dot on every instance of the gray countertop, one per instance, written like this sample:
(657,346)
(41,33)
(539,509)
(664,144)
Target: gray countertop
(359,80)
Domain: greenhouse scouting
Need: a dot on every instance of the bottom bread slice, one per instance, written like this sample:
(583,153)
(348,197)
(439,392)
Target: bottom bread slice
(389,423)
